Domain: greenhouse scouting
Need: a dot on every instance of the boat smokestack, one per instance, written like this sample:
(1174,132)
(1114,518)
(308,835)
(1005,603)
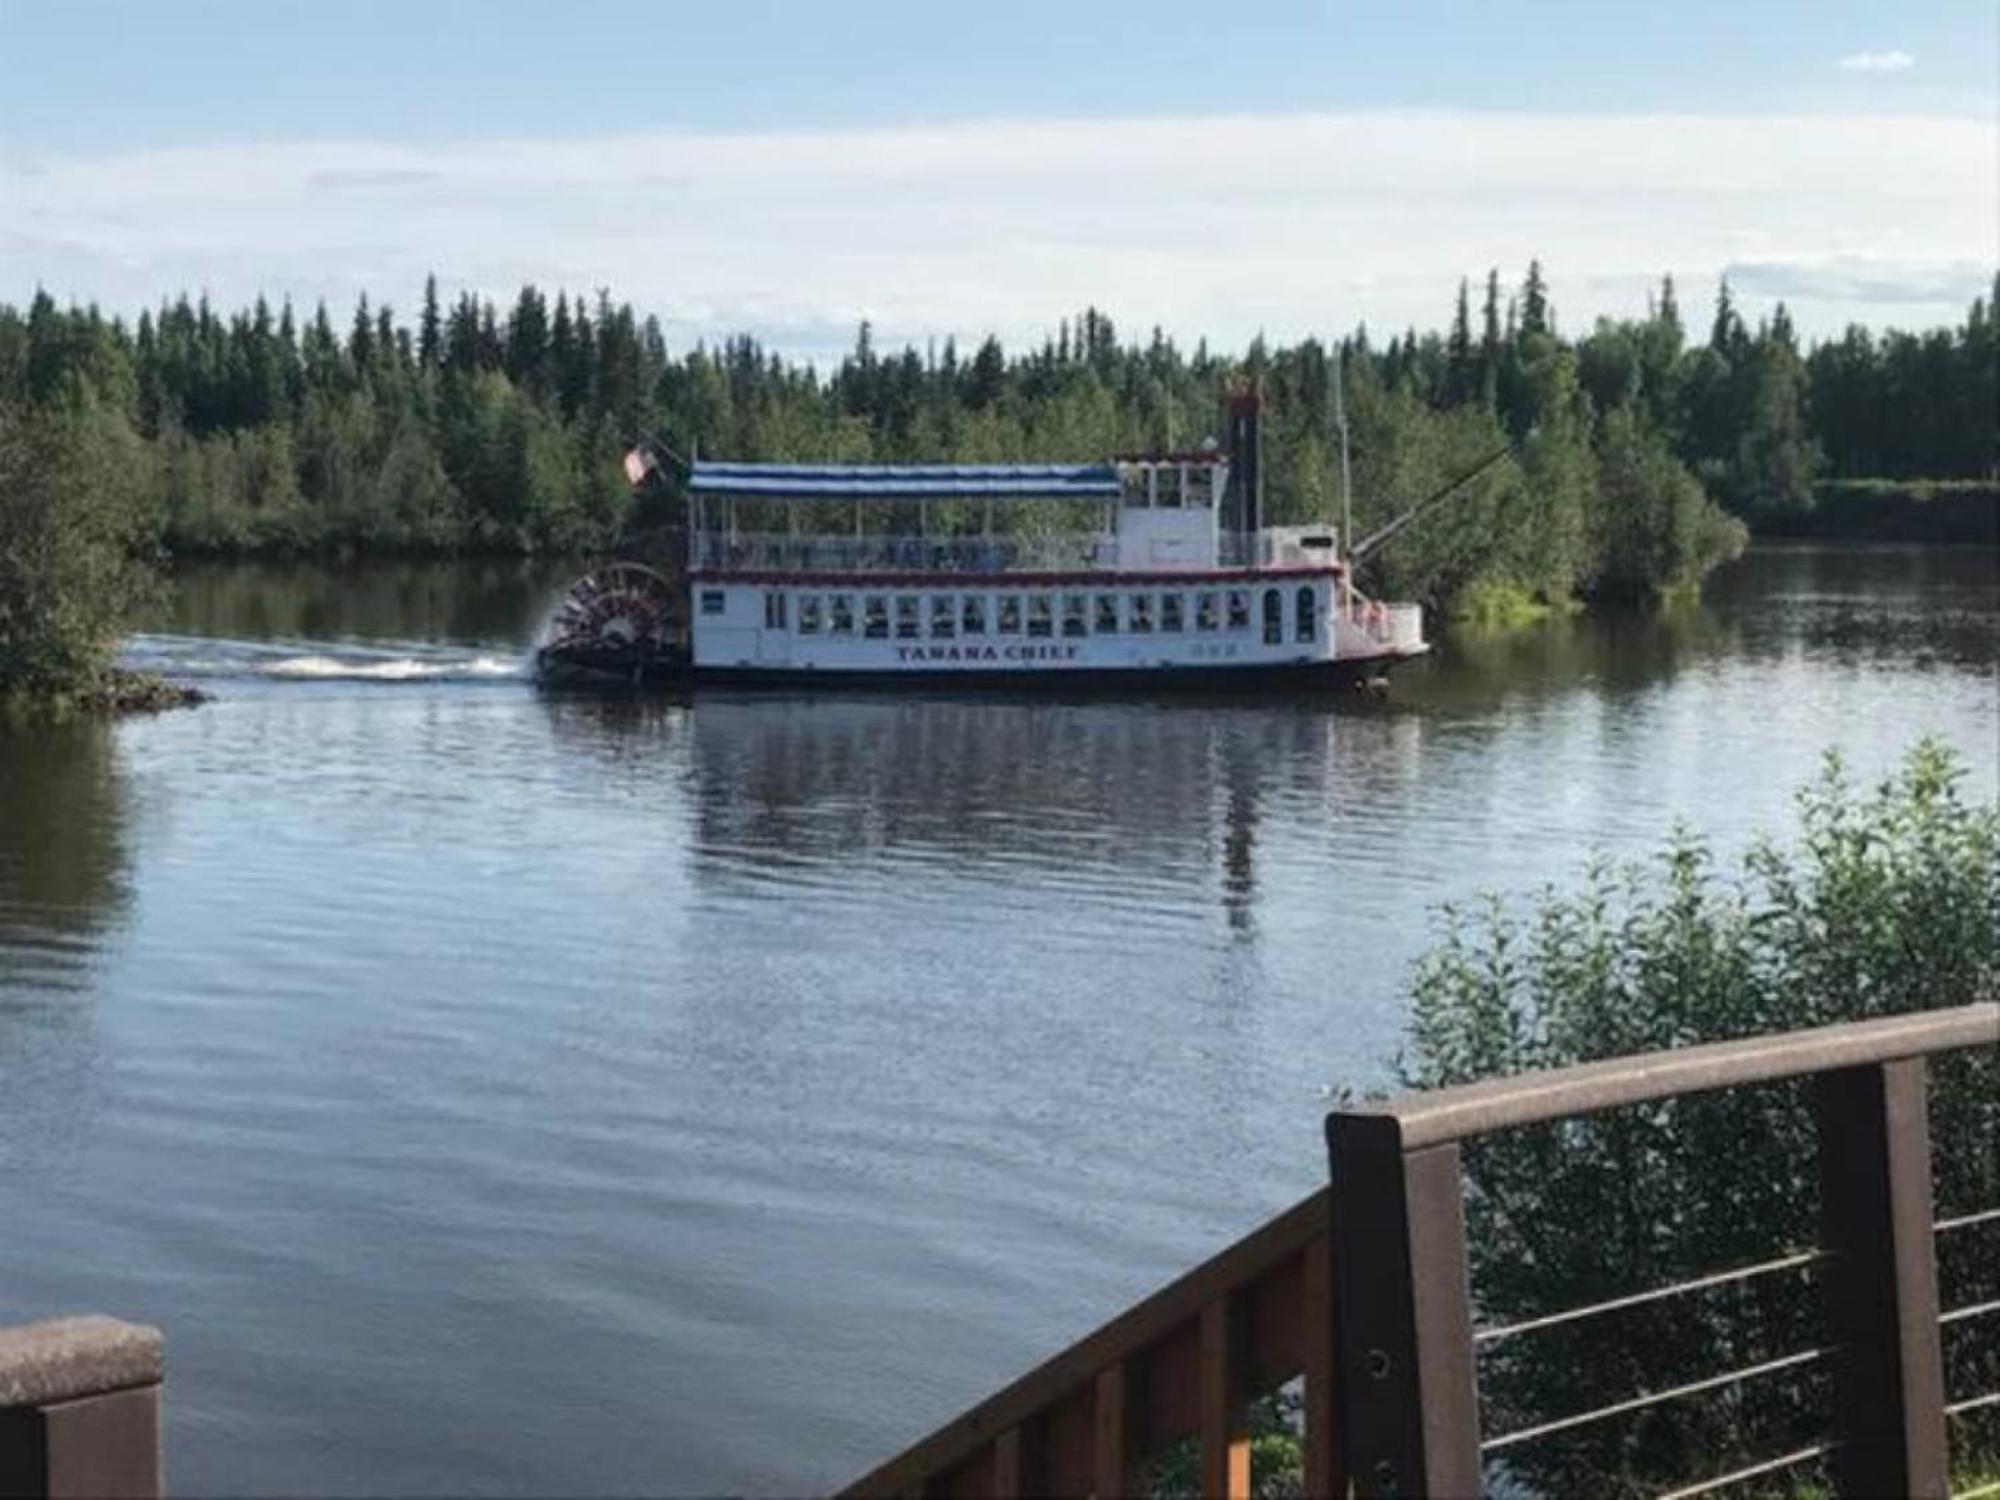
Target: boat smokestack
(1243,509)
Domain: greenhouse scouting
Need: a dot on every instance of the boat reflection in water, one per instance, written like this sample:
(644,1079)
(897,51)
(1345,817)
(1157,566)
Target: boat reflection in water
(1140,794)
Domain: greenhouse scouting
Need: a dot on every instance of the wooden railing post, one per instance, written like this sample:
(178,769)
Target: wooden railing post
(1116,1441)
(80,1410)
(1881,1282)
(1363,1289)
(1404,1387)
(1322,1418)
(1224,1438)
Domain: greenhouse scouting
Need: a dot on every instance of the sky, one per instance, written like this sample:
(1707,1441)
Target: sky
(788,169)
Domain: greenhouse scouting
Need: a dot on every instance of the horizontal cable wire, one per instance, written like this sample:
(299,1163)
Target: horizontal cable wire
(1984,1216)
(1638,1299)
(1959,1314)
(1654,1398)
(1737,1476)
(1972,1403)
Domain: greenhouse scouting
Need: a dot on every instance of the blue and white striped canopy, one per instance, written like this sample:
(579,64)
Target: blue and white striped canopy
(907,481)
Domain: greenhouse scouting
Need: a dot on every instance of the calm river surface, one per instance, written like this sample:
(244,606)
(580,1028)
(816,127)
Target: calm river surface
(493,1092)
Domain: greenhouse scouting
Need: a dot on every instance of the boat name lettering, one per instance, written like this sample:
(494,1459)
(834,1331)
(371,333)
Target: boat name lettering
(985,653)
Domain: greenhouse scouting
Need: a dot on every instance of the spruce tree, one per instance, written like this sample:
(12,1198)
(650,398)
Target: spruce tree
(1535,317)
(988,374)
(1726,335)
(361,339)
(1458,371)
(1489,342)
(430,331)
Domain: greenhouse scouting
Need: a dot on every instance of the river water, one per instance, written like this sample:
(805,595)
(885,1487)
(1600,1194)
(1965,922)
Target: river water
(493,1092)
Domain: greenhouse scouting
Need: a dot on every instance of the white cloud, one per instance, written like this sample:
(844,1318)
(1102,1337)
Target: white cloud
(1877,62)
(1216,227)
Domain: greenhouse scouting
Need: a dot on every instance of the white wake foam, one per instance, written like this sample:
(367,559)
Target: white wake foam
(314,661)
(391,669)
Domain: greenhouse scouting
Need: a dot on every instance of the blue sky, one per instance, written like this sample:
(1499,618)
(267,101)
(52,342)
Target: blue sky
(115,72)
(472,137)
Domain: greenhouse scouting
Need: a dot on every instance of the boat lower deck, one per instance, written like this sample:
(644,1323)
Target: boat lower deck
(562,669)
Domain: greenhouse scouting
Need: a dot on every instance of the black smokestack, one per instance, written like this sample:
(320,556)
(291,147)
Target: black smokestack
(1243,506)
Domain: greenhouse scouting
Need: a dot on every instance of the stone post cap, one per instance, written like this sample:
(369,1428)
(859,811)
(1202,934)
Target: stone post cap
(64,1358)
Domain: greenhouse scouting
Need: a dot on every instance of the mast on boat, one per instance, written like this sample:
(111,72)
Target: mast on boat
(1346,479)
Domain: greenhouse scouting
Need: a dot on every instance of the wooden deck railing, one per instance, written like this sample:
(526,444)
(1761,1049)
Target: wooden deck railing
(80,1410)
(1183,1363)
(1364,1291)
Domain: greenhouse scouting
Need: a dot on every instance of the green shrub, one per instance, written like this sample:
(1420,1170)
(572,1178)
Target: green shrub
(1888,902)
(72,480)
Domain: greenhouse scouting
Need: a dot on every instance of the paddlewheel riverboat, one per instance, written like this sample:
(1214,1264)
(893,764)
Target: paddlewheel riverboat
(1147,569)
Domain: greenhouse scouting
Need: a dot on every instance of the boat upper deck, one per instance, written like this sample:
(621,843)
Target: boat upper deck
(889,483)
(1149,513)
(764,554)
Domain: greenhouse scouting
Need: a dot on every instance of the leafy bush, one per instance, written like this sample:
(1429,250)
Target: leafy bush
(72,479)
(1888,902)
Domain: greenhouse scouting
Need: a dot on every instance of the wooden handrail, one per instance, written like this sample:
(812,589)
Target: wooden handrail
(1105,1364)
(1435,1116)
(80,1409)
(1367,1296)
(1403,1303)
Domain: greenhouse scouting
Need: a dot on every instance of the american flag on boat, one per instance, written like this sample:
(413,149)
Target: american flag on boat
(639,463)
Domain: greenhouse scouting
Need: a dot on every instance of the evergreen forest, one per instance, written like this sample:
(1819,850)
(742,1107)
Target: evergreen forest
(1641,447)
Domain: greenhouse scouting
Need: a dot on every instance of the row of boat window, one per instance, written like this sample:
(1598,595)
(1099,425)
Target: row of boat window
(951,616)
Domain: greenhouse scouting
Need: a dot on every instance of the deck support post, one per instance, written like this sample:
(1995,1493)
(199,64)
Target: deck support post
(1402,1313)
(1116,1433)
(1321,1361)
(1881,1282)
(1224,1435)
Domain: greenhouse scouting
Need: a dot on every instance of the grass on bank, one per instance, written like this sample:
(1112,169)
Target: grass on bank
(112,691)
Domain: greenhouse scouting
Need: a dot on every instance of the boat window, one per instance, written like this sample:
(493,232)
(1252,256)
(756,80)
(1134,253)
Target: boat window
(944,617)
(1107,614)
(972,614)
(1132,478)
(1167,485)
(1139,613)
(876,612)
(1307,624)
(1239,609)
(1170,612)
(1076,614)
(840,615)
(1206,616)
(1201,485)
(774,611)
(1041,615)
(906,617)
(1274,618)
(1010,614)
(711,601)
(809,614)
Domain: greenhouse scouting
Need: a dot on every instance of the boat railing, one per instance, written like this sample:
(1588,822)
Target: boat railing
(1059,552)
(747,552)
(1278,547)
(1401,626)
(1369,625)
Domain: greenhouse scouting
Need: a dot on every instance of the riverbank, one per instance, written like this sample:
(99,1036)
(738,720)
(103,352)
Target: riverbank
(1938,512)
(114,691)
